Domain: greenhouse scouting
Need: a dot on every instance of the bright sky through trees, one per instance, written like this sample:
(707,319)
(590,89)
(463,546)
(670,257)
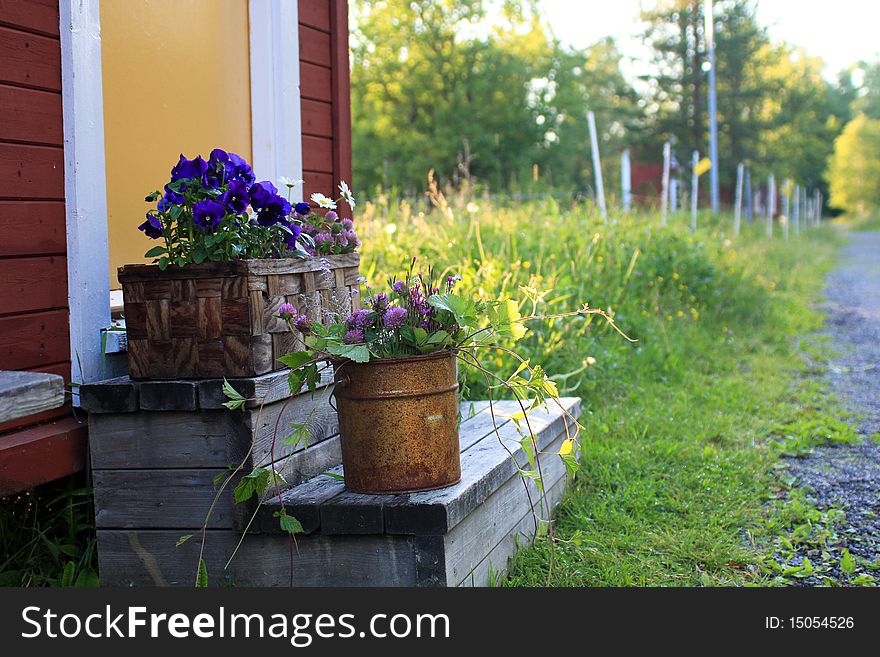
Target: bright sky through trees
(840,32)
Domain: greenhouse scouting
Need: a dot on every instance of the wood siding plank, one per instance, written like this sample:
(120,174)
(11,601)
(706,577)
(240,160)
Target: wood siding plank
(317,182)
(31,284)
(32,228)
(315,82)
(315,13)
(29,59)
(35,15)
(40,454)
(317,119)
(314,45)
(318,155)
(30,115)
(31,172)
(34,339)
(341,95)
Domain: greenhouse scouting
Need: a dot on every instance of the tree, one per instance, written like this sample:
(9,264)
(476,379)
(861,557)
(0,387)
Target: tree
(854,168)
(445,85)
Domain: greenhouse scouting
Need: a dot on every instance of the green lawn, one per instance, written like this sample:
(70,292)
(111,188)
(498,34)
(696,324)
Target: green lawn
(685,428)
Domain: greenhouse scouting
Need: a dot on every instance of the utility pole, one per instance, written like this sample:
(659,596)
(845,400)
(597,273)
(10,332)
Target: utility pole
(597,165)
(713,106)
(626,180)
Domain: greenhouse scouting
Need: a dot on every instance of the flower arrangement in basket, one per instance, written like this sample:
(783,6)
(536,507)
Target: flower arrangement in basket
(231,251)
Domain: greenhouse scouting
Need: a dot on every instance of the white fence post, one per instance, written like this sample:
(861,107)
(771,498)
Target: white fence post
(695,181)
(626,180)
(796,211)
(771,204)
(597,165)
(737,206)
(664,198)
(786,191)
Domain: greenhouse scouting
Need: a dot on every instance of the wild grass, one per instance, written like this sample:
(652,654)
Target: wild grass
(685,426)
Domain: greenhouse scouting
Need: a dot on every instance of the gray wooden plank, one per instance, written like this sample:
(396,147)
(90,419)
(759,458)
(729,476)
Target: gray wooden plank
(26,393)
(303,502)
(484,468)
(150,558)
(157,439)
(169,395)
(258,390)
(271,424)
(495,563)
(475,536)
(358,513)
(118,395)
(160,499)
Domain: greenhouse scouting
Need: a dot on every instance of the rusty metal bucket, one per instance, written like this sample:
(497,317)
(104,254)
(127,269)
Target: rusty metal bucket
(398,421)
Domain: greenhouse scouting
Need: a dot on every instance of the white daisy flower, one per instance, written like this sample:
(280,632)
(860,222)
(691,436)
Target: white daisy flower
(324,201)
(289,182)
(346,193)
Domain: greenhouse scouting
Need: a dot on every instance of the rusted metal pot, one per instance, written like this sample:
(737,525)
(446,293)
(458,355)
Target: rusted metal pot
(398,421)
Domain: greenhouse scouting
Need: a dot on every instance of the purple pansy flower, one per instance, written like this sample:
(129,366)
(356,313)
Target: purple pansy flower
(273,212)
(395,317)
(302,208)
(189,168)
(240,169)
(291,238)
(208,213)
(236,197)
(262,193)
(173,197)
(152,227)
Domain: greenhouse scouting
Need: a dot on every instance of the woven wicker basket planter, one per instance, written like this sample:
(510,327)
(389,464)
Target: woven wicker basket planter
(219,318)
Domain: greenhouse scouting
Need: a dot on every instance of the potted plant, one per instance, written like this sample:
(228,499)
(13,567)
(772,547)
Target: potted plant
(231,252)
(395,371)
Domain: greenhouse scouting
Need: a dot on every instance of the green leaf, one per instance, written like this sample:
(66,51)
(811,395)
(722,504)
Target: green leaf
(220,477)
(68,574)
(296,359)
(236,400)
(528,449)
(438,338)
(256,482)
(202,576)
(333,475)
(155,251)
(288,523)
(183,539)
(299,433)
(506,320)
(463,309)
(88,578)
(847,563)
(163,263)
(359,353)
(571,464)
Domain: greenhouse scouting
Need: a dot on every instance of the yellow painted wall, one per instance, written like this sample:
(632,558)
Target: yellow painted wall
(176,79)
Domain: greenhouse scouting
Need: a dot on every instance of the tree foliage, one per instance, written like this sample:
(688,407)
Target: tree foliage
(854,168)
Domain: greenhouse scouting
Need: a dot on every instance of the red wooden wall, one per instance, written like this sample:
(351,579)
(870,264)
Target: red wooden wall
(34,329)
(324,88)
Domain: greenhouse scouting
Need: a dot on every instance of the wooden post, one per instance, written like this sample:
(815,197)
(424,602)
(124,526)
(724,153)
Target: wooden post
(626,180)
(695,160)
(664,194)
(597,165)
(771,204)
(737,207)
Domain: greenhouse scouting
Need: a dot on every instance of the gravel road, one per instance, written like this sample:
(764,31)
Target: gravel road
(848,477)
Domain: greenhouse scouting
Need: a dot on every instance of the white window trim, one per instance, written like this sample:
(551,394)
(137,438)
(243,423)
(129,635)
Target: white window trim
(276,122)
(85,193)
